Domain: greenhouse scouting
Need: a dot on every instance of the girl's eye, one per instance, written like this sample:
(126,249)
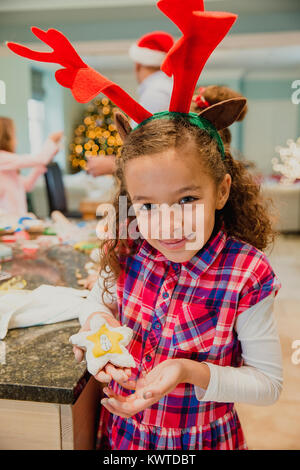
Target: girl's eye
(187,199)
(147,207)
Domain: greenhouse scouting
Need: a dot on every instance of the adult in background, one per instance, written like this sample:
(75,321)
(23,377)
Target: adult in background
(154,86)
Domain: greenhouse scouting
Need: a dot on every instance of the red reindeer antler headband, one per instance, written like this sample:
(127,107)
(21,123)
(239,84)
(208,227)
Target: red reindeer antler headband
(202,32)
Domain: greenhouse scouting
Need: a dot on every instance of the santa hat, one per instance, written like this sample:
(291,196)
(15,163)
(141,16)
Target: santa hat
(152,48)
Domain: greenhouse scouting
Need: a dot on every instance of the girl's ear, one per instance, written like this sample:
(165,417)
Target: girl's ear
(224,113)
(122,124)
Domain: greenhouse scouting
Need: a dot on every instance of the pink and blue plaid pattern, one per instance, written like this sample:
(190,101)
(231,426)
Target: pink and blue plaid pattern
(186,310)
(121,434)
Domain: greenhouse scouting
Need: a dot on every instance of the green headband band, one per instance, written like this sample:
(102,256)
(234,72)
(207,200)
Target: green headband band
(195,120)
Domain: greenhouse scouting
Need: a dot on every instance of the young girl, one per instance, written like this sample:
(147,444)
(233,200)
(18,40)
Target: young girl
(204,332)
(13,185)
(201,308)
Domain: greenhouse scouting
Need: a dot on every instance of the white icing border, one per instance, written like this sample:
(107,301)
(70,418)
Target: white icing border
(94,364)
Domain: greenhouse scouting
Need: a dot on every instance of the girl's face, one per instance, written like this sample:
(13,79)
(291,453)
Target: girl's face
(169,180)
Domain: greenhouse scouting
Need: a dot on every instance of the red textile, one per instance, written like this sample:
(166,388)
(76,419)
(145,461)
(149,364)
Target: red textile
(84,82)
(202,32)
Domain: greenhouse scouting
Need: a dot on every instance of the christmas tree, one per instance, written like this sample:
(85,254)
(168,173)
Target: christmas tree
(96,134)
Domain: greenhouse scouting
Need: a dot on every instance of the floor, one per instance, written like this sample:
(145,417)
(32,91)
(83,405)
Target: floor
(278,426)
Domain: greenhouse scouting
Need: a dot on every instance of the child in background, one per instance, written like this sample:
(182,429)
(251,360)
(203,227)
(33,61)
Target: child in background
(204,335)
(13,185)
(213,94)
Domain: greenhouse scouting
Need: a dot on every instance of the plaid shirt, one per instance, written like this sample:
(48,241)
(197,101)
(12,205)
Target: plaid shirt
(188,310)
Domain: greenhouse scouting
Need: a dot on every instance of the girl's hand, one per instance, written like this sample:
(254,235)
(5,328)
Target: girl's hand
(56,136)
(88,282)
(110,371)
(102,165)
(148,390)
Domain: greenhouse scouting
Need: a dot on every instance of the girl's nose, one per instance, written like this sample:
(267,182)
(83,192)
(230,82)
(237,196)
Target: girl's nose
(171,224)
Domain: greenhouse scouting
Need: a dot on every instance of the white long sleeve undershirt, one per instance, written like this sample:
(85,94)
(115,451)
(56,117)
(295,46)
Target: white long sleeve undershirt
(258,381)
(94,301)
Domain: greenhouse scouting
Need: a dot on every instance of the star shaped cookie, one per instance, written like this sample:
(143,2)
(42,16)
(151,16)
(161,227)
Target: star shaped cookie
(104,343)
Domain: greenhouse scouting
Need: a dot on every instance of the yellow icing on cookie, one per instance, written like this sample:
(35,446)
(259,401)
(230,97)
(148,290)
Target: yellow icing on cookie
(106,341)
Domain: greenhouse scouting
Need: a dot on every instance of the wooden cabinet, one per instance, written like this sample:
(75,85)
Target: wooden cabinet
(29,425)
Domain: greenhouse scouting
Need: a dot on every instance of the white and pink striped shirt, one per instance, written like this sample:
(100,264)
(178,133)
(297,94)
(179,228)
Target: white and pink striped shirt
(13,185)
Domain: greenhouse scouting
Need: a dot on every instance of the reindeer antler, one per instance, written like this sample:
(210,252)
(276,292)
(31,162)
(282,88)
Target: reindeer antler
(63,52)
(202,32)
(84,82)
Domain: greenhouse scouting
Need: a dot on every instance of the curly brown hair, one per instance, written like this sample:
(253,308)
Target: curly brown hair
(246,215)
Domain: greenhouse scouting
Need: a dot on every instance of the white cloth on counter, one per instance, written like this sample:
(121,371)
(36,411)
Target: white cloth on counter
(42,306)
(259,380)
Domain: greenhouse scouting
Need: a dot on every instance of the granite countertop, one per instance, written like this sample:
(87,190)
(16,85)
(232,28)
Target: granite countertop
(40,364)
(37,363)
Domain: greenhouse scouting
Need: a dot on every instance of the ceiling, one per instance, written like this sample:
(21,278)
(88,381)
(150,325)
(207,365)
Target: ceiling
(245,6)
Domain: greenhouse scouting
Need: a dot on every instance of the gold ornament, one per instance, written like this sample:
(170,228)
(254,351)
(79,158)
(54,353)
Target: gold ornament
(78,148)
(87,120)
(106,110)
(111,141)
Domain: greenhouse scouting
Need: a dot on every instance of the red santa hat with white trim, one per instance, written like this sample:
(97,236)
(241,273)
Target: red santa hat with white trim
(152,48)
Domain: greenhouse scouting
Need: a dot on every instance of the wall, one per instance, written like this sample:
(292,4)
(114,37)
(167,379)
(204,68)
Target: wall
(108,22)
(271,120)
(15,72)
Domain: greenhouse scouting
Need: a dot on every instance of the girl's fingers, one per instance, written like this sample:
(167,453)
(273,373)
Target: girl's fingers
(112,321)
(112,409)
(78,353)
(129,384)
(125,407)
(144,395)
(103,377)
(117,374)
(111,394)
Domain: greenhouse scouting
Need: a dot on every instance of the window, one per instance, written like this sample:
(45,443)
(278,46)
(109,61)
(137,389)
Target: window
(36,117)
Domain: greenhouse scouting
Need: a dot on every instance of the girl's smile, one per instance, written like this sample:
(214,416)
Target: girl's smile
(173,244)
